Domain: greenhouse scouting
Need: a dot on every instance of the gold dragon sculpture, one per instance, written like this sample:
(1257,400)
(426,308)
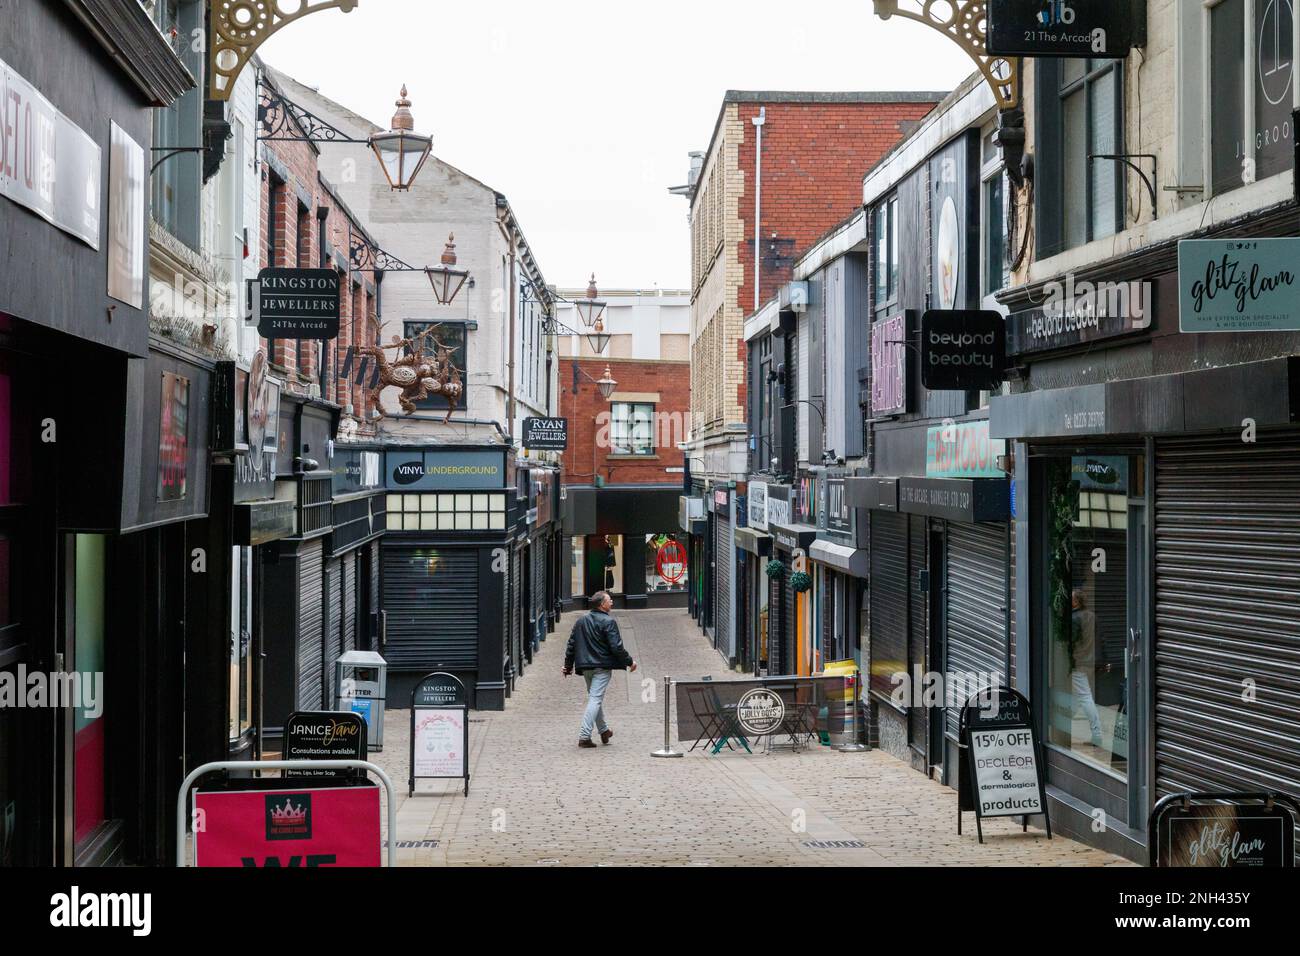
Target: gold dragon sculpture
(416,373)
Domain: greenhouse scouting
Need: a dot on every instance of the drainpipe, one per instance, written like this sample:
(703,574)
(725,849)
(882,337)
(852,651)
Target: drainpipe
(509,235)
(759,122)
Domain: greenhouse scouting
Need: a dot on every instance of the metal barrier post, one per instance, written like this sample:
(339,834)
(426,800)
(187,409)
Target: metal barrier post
(856,745)
(667,750)
(285,765)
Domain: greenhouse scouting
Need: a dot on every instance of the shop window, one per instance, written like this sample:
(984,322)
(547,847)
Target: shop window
(631,428)
(1080,109)
(1249,59)
(665,563)
(1087,604)
(885,240)
(240,711)
(605,563)
(577,567)
(447,511)
(90,762)
(176,183)
(453,335)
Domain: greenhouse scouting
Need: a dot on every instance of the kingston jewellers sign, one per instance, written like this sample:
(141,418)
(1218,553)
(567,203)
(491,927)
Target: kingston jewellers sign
(546,434)
(1075,313)
(963,350)
(1242,285)
(297,304)
(1064,28)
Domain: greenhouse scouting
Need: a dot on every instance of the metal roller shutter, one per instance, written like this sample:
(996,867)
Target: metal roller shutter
(333,624)
(790,622)
(539,589)
(516,617)
(888,600)
(977,606)
(349,608)
(1227,608)
(918,618)
(311,624)
(431,595)
(725,558)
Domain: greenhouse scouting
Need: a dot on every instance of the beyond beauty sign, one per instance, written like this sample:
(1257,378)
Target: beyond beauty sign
(1239,285)
(287,828)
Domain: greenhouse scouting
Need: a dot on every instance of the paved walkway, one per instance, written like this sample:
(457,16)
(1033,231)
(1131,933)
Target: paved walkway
(536,799)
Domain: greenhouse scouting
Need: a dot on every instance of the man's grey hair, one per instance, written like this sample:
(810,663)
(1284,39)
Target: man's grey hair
(598,599)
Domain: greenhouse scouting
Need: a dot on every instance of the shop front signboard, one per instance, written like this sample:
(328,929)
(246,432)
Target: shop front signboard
(297,303)
(971,500)
(441,471)
(1063,28)
(963,450)
(300,828)
(48,163)
(1001,772)
(1077,312)
(1221,830)
(963,350)
(889,366)
(324,735)
(1239,285)
(758,505)
(546,434)
(439,730)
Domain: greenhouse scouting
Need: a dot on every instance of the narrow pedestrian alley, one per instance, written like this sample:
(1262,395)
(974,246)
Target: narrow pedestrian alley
(536,799)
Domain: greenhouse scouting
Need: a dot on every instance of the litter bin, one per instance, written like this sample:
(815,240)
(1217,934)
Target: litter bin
(362,680)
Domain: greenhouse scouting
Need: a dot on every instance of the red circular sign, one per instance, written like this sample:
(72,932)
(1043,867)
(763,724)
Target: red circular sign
(670,563)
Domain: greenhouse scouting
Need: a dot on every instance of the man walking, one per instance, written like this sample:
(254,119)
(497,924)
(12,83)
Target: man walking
(595,651)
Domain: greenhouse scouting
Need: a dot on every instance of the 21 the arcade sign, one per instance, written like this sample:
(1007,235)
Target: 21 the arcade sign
(1064,28)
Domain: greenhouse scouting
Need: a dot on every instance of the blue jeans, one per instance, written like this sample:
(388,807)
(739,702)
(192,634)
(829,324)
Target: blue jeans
(594,717)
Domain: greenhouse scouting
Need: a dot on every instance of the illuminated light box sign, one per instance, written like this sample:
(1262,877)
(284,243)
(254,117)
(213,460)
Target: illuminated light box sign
(1064,28)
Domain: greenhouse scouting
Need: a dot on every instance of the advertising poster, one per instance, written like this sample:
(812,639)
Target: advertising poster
(287,828)
(440,743)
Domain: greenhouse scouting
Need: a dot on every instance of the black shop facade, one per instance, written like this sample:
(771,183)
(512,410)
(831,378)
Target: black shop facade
(1156,533)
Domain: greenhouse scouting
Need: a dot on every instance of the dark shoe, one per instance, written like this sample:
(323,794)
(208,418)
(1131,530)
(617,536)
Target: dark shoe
(585,742)
(605,735)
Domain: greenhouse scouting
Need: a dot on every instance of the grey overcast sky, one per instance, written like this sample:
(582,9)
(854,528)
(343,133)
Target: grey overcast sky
(583,112)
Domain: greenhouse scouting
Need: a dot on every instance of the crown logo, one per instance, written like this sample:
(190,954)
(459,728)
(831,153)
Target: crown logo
(289,814)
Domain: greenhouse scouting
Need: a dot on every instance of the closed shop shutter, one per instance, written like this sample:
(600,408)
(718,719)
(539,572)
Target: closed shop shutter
(1227,608)
(431,596)
(790,600)
(311,626)
(917,717)
(349,590)
(540,548)
(888,600)
(977,606)
(724,558)
(333,623)
(516,625)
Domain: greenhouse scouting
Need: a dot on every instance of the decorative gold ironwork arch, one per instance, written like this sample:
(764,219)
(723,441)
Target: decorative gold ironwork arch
(239,27)
(965,23)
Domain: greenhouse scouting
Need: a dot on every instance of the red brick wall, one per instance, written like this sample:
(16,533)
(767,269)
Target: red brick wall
(814,158)
(297,244)
(584,460)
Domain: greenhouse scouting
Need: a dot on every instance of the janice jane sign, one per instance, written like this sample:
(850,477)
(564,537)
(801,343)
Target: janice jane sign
(1239,285)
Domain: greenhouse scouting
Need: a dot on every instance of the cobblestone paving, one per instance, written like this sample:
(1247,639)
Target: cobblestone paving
(537,800)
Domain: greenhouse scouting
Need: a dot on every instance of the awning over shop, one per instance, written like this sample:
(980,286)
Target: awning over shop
(753,541)
(853,561)
(880,494)
(1218,398)
(958,499)
(258,522)
(793,537)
